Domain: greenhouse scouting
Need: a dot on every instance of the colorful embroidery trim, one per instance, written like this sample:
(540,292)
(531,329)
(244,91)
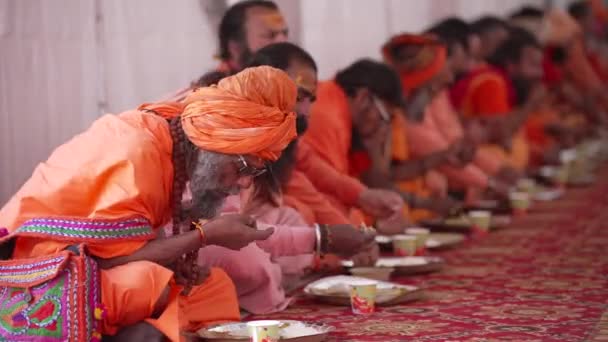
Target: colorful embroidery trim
(60,309)
(86,230)
(28,274)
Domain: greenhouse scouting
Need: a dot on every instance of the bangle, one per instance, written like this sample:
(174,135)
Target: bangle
(325,238)
(318,237)
(201,230)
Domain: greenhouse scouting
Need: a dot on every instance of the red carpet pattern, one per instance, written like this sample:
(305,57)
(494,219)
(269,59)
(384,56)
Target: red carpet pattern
(543,278)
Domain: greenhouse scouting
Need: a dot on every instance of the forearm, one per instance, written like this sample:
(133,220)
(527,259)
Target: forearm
(517,119)
(410,169)
(288,240)
(164,251)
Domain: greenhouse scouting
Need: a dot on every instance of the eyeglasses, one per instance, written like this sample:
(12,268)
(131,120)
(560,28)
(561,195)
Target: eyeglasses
(386,117)
(247,170)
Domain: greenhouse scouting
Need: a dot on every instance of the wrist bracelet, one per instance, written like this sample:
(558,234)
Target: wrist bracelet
(318,237)
(325,239)
(201,230)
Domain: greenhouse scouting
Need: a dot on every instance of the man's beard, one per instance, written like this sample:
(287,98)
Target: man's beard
(246,55)
(208,195)
(206,204)
(301,124)
(522,88)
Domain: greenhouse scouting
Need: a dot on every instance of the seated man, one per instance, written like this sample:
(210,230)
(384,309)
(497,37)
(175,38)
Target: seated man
(311,175)
(503,94)
(434,126)
(246,26)
(111,188)
(262,272)
(351,112)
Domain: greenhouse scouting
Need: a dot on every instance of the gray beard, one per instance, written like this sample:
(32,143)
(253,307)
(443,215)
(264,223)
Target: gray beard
(206,204)
(207,194)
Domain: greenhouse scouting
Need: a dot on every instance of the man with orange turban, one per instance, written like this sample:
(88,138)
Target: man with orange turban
(104,195)
(434,126)
(247,27)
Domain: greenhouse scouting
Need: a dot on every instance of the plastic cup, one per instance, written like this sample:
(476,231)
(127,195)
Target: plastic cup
(526,185)
(481,220)
(421,234)
(520,202)
(363,298)
(264,331)
(405,245)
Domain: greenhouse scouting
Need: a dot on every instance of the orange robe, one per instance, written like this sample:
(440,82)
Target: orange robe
(487,94)
(121,167)
(329,138)
(310,183)
(400,150)
(440,128)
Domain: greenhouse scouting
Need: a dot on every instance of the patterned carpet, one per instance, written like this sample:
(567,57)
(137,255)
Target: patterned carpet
(544,278)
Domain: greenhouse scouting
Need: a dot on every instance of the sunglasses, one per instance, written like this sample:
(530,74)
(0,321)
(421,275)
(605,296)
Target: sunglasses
(247,170)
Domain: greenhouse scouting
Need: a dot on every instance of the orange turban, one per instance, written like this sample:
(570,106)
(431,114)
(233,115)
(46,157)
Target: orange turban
(248,113)
(559,28)
(428,58)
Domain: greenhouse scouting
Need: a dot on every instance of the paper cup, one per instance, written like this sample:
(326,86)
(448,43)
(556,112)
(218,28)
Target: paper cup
(526,185)
(481,220)
(567,156)
(264,331)
(405,245)
(363,297)
(561,176)
(520,202)
(421,234)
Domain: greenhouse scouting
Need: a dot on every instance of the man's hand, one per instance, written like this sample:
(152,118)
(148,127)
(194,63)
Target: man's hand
(346,240)
(443,206)
(393,225)
(184,274)
(234,231)
(466,152)
(380,203)
(367,257)
(508,175)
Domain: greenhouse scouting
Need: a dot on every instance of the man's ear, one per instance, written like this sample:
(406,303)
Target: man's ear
(362,98)
(235,49)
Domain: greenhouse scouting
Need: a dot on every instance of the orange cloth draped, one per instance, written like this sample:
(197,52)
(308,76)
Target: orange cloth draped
(422,67)
(485,93)
(440,128)
(313,205)
(118,168)
(325,177)
(599,10)
(330,125)
(318,191)
(536,135)
(401,152)
(122,167)
(329,137)
(248,113)
(560,29)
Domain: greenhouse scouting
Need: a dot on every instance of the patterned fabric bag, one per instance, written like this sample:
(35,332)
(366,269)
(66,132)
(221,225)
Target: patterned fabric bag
(58,297)
(52,298)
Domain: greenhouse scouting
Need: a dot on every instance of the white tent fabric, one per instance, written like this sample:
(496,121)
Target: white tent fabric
(65,62)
